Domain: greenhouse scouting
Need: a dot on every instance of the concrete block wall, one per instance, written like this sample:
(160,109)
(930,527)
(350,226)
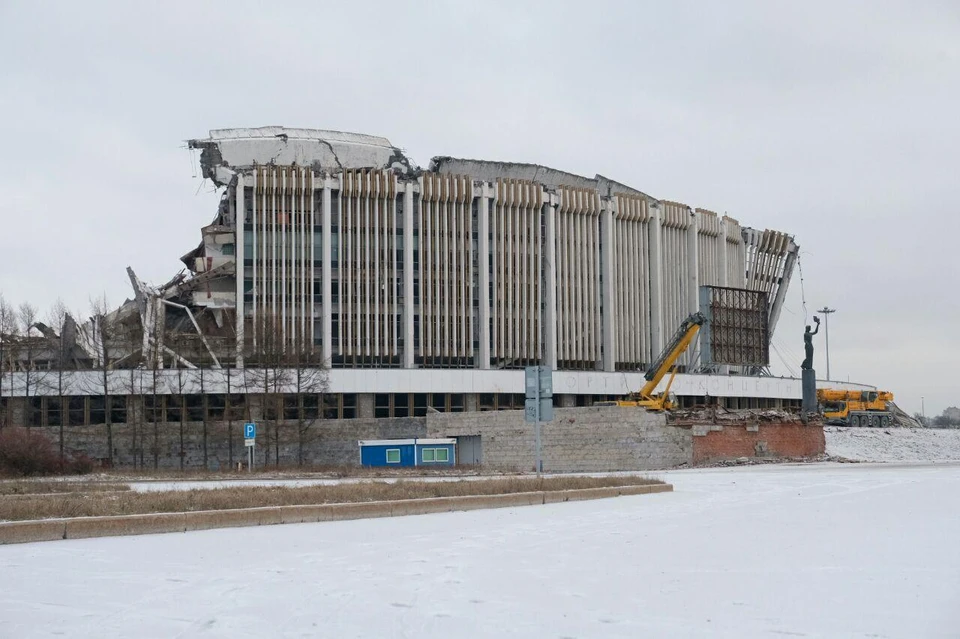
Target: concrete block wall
(324,442)
(578,439)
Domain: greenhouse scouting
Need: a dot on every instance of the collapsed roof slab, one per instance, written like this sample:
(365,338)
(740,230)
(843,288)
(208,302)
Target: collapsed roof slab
(551,178)
(228,150)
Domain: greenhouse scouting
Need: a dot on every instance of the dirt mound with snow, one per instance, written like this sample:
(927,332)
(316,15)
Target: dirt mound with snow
(893,444)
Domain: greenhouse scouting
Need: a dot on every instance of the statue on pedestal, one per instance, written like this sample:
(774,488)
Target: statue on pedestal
(808,344)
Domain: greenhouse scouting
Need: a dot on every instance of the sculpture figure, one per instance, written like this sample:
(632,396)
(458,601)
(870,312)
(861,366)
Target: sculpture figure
(808,344)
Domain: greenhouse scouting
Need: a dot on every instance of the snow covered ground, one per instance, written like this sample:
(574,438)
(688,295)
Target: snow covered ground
(825,550)
(893,444)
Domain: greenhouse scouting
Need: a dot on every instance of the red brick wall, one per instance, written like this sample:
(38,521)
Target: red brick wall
(768,440)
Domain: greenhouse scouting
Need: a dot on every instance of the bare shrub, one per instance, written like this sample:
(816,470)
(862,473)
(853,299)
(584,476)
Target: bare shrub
(25,452)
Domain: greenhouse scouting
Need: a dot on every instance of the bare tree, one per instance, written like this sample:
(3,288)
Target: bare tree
(290,379)
(155,415)
(228,414)
(58,317)
(202,365)
(9,330)
(179,342)
(268,379)
(32,345)
(311,382)
(103,332)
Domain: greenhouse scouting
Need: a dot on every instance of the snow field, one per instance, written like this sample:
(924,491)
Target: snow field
(893,444)
(818,550)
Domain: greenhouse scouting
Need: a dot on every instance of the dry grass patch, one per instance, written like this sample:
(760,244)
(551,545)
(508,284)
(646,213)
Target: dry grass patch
(92,504)
(35,488)
(297,472)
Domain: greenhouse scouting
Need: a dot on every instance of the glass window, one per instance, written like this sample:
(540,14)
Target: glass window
(235,407)
(401,405)
(53,411)
(419,404)
(349,405)
(428,454)
(393,455)
(194,408)
(331,406)
(118,412)
(35,411)
(216,405)
(381,405)
(311,406)
(97,412)
(75,411)
(443,455)
(174,408)
(291,407)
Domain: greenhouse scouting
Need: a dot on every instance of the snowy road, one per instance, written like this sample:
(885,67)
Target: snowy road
(764,551)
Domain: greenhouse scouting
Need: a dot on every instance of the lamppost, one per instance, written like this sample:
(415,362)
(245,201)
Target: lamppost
(923,412)
(826,328)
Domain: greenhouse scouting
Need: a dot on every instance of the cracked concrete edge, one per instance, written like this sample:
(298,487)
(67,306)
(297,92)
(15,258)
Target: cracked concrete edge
(18,532)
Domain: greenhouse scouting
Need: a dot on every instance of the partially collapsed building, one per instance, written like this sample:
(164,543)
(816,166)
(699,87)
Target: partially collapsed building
(423,288)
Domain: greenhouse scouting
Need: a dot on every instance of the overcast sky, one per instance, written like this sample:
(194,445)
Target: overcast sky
(837,122)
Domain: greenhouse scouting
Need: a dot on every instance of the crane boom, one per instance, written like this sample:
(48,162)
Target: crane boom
(679,343)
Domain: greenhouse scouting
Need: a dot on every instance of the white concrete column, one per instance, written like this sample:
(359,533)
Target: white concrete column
(724,265)
(326,243)
(256,282)
(483,274)
(656,278)
(282,226)
(693,262)
(724,272)
(608,275)
(550,283)
(408,308)
(693,279)
(239,220)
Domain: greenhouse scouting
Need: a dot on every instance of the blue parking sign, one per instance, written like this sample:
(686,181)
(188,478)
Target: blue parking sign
(249,430)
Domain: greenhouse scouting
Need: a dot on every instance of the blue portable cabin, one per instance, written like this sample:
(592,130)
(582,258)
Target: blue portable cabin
(408,452)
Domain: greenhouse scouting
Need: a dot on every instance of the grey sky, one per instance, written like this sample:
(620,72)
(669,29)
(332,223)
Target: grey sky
(838,122)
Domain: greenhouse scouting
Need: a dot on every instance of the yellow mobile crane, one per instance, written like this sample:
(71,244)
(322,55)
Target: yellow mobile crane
(680,342)
(855,408)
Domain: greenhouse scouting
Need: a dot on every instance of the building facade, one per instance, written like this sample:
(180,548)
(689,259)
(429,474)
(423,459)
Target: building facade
(348,249)
(413,289)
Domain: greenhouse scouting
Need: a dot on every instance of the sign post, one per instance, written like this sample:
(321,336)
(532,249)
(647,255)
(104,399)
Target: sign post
(538,406)
(250,441)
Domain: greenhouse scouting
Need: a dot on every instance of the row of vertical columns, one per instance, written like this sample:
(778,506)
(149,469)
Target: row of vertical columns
(711,246)
(630,254)
(578,264)
(282,222)
(446,267)
(368,266)
(592,300)
(515,224)
(734,253)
